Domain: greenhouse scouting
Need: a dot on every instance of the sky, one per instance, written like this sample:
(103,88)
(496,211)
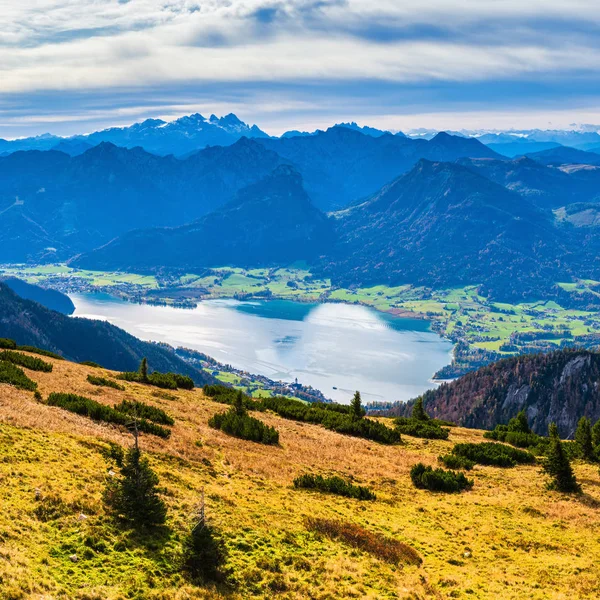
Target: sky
(76,66)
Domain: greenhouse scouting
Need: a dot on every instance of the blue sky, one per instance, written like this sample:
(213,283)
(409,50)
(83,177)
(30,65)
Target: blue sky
(70,66)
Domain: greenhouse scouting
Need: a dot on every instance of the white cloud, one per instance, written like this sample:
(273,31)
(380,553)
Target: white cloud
(72,46)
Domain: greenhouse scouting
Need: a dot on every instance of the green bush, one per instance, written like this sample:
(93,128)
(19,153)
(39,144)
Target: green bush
(183,381)
(245,427)
(104,382)
(227,395)
(91,363)
(439,480)
(40,351)
(451,461)
(144,411)
(8,344)
(101,412)
(331,418)
(421,428)
(491,453)
(24,360)
(12,375)
(166,381)
(333,485)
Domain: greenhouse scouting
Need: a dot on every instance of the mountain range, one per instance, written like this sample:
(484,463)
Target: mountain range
(179,137)
(362,207)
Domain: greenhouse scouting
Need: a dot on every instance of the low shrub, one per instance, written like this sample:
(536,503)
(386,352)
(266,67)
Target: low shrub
(183,381)
(12,375)
(227,395)
(41,352)
(439,480)
(381,546)
(244,426)
(166,381)
(24,360)
(8,344)
(336,420)
(101,412)
(104,382)
(144,411)
(91,363)
(451,461)
(421,429)
(333,485)
(491,453)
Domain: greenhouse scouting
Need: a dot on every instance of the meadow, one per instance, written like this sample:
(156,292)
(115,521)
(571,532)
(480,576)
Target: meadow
(508,537)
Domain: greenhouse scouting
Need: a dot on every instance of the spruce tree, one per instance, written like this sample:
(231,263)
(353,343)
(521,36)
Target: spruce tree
(356,409)
(134,496)
(583,439)
(418,411)
(519,423)
(558,466)
(143,370)
(203,553)
(238,404)
(596,434)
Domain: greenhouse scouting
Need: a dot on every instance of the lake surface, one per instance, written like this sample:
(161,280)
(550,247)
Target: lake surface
(348,347)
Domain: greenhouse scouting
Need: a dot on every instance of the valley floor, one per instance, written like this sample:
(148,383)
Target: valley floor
(507,538)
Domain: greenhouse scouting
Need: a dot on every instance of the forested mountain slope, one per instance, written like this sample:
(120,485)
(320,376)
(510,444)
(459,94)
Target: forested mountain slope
(30,323)
(559,387)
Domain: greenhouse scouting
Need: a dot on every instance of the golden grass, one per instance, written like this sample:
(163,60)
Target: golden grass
(508,538)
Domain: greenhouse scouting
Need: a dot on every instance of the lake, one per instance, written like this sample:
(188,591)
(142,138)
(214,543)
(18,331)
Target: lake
(328,346)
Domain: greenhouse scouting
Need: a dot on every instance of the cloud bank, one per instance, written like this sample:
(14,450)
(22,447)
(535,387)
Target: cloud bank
(302,62)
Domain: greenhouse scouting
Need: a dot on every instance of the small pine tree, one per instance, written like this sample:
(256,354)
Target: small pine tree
(356,406)
(596,434)
(143,370)
(238,404)
(418,411)
(583,439)
(558,466)
(134,495)
(203,553)
(519,423)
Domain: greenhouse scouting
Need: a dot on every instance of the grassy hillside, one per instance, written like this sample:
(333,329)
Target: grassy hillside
(506,538)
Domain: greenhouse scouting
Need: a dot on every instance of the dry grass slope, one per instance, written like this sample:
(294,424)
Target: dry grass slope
(508,538)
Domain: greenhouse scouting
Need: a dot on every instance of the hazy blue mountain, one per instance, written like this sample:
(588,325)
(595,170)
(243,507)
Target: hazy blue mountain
(519,147)
(341,165)
(46,141)
(372,131)
(563,155)
(546,187)
(49,200)
(52,299)
(270,222)
(73,147)
(178,137)
(441,225)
